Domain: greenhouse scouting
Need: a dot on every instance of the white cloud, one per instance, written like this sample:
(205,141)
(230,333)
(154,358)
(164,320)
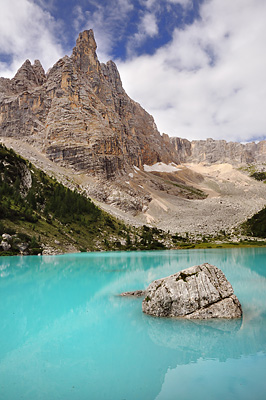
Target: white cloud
(149,25)
(149,3)
(184,3)
(210,80)
(26,31)
(79,18)
(110,20)
(146,28)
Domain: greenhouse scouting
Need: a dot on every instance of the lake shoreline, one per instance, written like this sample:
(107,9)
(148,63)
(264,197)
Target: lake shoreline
(185,246)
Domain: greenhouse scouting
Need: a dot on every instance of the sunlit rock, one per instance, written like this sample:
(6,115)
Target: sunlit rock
(199,292)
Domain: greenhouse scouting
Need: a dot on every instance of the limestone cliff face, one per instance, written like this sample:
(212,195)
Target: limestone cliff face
(80,116)
(219,151)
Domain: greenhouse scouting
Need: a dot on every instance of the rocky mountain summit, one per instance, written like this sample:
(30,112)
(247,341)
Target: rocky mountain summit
(77,123)
(79,115)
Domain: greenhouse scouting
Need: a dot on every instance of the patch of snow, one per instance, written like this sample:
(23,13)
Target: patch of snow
(161,167)
(127,182)
(136,168)
(141,186)
(130,175)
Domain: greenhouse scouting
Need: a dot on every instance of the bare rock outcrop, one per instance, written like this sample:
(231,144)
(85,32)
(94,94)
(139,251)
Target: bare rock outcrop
(199,292)
(79,115)
(212,151)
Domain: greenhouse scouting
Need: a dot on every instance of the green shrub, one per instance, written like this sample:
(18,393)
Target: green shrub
(259,176)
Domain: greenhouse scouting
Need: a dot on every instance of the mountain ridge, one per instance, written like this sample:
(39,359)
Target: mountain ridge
(80,110)
(212,151)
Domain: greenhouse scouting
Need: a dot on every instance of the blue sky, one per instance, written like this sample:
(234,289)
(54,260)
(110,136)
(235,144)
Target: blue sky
(198,66)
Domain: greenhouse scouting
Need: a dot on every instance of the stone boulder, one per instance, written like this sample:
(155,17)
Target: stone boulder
(5,245)
(199,292)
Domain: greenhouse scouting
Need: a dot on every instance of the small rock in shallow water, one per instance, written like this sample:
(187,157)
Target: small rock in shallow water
(134,293)
(199,292)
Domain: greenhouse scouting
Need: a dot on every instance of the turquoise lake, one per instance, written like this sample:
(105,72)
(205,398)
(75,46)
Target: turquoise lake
(66,334)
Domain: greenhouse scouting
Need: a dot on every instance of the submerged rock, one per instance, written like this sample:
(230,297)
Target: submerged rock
(199,292)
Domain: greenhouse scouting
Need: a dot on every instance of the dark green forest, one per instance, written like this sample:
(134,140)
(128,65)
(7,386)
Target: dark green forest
(256,225)
(259,176)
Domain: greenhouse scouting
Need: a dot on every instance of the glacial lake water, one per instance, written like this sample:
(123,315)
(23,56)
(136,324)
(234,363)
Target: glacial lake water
(65,334)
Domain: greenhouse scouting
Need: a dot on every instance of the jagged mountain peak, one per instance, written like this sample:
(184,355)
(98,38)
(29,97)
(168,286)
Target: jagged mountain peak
(86,37)
(80,115)
(28,76)
(39,71)
(84,53)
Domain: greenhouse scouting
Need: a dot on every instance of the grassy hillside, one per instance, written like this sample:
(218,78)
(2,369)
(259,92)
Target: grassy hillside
(37,213)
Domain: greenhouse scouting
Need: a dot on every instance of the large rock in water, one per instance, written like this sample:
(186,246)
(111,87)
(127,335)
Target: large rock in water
(199,292)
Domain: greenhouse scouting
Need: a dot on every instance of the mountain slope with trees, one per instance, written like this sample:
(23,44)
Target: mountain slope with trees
(256,225)
(38,214)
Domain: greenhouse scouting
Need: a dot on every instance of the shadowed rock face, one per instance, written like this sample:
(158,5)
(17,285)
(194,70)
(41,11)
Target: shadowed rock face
(80,116)
(199,292)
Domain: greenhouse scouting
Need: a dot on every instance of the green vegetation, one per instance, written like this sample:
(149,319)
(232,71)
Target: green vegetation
(250,168)
(37,212)
(219,240)
(189,191)
(254,173)
(226,245)
(256,225)
(259,176)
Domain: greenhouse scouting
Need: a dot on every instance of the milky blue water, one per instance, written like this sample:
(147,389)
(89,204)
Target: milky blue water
(65,334)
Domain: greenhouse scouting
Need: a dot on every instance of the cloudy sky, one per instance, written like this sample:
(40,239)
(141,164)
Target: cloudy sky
(198,66)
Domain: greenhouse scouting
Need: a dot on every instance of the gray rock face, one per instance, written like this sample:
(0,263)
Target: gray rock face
(199,292)
(79,115)
(219,151)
